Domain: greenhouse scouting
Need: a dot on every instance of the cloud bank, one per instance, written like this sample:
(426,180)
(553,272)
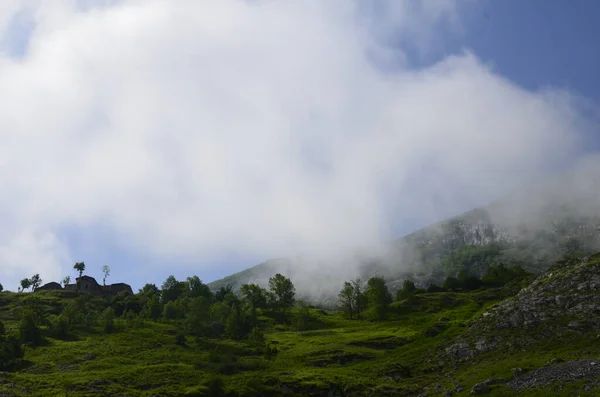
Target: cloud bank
(191,130)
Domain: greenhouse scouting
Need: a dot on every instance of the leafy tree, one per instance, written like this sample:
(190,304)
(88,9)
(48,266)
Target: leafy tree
(29,331)
(1,288)
(80,267)
(451,284)
(25,284)
(255,296)
(434,288)
(107,320)
(379,297)
(171,311)
(359,298)
(198,288)
(154,307)
(66,281)
(10,349)
(35,281)
(346,299)
(222,292)
(282,292)
(468,281)
(106,272)
(197,315)
(407,291)
(150,289)
(303,316)
(236,326)
(172,289)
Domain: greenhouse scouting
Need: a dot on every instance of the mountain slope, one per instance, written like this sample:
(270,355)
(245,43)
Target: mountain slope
(533,228)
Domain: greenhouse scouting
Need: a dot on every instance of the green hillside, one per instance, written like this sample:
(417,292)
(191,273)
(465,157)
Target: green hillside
(190,342)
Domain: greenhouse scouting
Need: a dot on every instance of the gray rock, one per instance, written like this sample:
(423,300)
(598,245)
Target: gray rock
(480,388)
(495,381)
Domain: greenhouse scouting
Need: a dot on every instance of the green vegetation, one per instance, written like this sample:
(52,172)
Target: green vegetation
(185,340)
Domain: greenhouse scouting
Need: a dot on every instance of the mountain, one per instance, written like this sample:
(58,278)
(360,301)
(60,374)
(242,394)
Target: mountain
(533,228)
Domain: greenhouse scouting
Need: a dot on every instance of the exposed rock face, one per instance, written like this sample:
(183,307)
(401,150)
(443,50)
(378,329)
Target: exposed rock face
(570,371)
(90,285)
(564,299)
(49,287)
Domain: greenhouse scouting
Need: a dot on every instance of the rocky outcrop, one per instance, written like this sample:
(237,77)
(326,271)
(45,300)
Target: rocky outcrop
(567,372)
(564,299)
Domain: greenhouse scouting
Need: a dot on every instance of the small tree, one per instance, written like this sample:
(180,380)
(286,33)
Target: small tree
(282,292)
(359,299)
(35,281)
(80,267)
(106,271)
(29,332)
(108,320)
(255,296)
(25,284)
(1,288)
(346,299)
(379,297)
(407,291)
(66,281)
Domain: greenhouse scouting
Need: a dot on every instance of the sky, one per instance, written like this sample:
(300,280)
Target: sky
(187,137)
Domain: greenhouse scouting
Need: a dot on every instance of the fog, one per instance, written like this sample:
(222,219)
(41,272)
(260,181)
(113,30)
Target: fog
(193,130)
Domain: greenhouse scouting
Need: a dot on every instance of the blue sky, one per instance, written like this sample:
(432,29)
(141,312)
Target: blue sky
(159,141)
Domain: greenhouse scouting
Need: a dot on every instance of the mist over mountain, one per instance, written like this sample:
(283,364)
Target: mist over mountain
(533,227)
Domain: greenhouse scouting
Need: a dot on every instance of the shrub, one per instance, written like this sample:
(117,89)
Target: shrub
(29,332)
(107,320)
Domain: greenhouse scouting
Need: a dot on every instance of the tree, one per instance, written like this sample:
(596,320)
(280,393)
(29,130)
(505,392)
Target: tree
(108,320)
(222,293)
(66,281)
(346,299)
(359,298)
(197,315)
(150,290)
(80,267)
(106,271)
(407,291)
(379,297)
(198,288)
(29,332)
(173,289)
(35,281)
(282,292)
(1,288)
(256,298)
(25,284)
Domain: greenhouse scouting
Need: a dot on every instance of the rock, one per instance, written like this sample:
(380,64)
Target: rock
(556,361)
(575,325)
(90,356)
(495,381)
(448,393)
(438,388)
(480,388)
(458,388)
(517,371)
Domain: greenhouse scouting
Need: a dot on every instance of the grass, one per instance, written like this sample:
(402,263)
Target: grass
(397,357)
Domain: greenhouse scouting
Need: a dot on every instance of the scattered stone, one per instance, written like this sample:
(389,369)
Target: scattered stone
(570,371)
(575,325)
(517,371)
(556,360)
(495,381)
(480,388)
(90,356)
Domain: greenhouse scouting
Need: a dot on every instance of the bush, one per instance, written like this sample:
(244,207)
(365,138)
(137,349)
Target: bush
(180,338)
(10,350)
(60,328)
(107,320)
(29,332)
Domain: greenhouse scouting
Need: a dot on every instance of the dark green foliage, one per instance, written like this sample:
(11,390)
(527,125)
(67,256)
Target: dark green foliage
(154,308)
(172,311)
(173,289)
(502,275)
(150,290)
(215,387)
(35,281)
(434,288)
(60,328)
(452,284)
(82,312)
(469,282)
(25,284)
(198,289)
(107,320)
(282,293)
(407,291)
(1,288)
(255,297)
(222,292)
(80,267)
(29,331)
(379,297)
(197,316)
(125,301)
(302,322)
(10,349)
(180,338)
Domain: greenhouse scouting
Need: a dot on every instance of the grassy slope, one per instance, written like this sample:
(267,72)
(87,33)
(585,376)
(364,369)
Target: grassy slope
(146,361)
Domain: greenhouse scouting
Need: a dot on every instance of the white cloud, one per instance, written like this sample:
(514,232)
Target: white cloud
(195,129)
